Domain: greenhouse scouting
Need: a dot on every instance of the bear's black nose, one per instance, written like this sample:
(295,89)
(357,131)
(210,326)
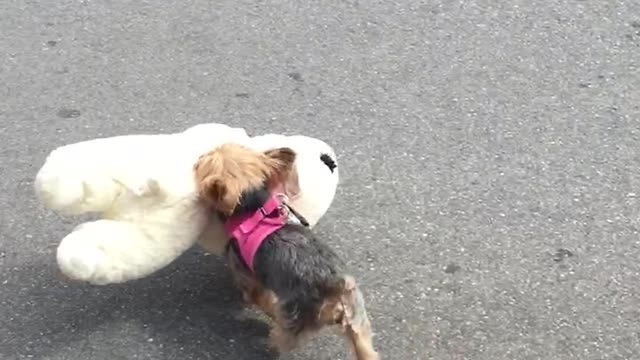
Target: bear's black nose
(327,160)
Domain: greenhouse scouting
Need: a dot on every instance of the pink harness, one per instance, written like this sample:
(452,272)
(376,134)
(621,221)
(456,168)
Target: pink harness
(252,229)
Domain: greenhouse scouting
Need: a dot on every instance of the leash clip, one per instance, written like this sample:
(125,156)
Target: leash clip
(283,208)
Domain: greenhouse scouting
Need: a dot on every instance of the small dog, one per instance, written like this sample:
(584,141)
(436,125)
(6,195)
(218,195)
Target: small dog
(277,262)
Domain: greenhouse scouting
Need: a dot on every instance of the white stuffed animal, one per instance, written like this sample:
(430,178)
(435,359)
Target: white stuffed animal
(143,188)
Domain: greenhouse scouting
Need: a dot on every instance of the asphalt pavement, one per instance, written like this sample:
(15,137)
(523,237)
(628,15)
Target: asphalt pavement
(489,152)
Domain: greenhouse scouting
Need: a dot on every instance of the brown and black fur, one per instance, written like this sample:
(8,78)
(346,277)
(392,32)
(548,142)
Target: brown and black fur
(298,280)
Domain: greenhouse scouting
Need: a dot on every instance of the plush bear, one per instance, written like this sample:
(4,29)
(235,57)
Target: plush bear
(143,189)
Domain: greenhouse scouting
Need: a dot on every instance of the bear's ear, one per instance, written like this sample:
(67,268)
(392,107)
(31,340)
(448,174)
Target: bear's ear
(281,162)
(328,161)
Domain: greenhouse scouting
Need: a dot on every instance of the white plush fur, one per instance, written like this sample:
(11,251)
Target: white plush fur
(142,186)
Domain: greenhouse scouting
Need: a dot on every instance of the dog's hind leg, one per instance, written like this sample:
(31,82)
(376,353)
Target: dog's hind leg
(356,324)
(361,342)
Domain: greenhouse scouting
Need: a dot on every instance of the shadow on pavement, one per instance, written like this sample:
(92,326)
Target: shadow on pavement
(189,310)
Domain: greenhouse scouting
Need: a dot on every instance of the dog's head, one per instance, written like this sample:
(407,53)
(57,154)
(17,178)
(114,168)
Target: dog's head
(225,175)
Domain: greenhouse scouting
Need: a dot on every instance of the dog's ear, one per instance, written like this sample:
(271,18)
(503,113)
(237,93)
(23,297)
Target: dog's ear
(219,194)
(281,160)
(281,163)
(211,190)
(211,187)
(292,184)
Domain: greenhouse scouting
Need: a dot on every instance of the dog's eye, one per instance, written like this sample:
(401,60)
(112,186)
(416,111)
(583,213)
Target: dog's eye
(327,160)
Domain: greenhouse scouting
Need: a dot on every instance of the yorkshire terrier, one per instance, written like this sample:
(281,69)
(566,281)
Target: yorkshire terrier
(277,262)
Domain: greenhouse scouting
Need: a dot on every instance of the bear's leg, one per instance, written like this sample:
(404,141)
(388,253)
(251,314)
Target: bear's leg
(75,192)
(106,251)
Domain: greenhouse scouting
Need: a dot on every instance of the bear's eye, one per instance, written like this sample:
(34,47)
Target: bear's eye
(327,160)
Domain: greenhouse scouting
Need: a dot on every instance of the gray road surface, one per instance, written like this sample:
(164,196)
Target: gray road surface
(490,155)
